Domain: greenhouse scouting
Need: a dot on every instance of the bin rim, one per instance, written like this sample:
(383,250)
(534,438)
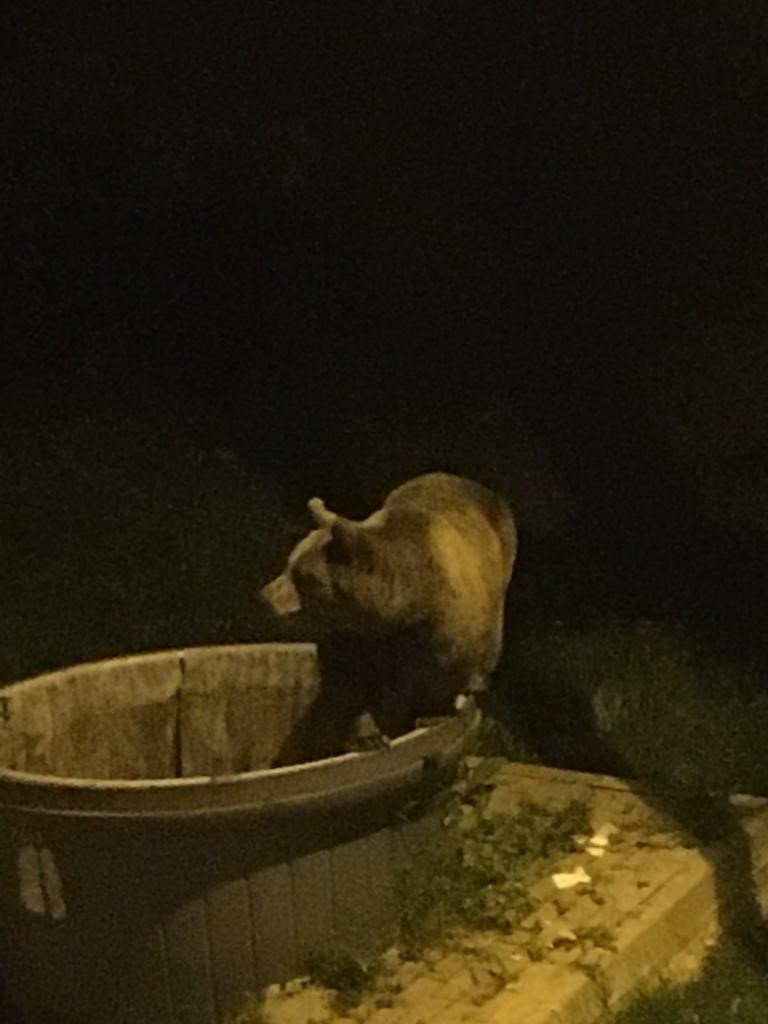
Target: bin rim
(327,782)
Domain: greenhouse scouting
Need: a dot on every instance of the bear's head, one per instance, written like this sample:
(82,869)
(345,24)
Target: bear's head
(322,577)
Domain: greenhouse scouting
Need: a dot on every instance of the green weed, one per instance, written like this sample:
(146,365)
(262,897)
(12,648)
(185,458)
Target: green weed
(477,876)
(345,974)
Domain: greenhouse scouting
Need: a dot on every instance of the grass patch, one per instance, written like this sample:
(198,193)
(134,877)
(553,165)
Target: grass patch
(640,700)
(116,541)
(349,978)
(477,876)
(732,989)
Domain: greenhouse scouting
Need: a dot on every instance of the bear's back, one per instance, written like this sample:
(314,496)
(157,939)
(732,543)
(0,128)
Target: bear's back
(455,497)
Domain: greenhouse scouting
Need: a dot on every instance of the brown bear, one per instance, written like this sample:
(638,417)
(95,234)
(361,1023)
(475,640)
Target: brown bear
(406,606)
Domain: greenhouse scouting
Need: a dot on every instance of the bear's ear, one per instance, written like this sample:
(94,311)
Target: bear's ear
(348,543)
(344,533)
(321,515)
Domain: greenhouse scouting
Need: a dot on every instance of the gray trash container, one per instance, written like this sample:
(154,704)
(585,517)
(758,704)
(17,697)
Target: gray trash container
(154,868)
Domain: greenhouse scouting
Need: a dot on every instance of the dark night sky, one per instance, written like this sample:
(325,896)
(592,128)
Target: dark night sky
(319,230)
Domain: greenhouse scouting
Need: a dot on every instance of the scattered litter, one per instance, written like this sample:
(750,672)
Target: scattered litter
(599,842)
(567,879)
(601,837)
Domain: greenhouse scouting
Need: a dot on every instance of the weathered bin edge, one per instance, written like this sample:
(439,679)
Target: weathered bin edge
(324,783)
(328,784)
(45,678)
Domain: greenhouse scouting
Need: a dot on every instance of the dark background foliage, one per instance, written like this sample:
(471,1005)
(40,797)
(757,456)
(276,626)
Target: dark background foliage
(346,242)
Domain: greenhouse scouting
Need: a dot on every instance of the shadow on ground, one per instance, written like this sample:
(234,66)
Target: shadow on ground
(707,819)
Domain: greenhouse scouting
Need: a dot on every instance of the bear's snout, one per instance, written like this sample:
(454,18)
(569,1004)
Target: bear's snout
(281,596)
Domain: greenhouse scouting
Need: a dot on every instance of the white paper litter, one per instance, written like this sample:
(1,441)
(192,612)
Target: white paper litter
(600,838)
(567,879)
(598,843)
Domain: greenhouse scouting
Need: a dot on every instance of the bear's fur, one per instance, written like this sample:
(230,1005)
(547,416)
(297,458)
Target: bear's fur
(407,606)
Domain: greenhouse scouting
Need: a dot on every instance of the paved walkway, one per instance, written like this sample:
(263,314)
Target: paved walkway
(643,908)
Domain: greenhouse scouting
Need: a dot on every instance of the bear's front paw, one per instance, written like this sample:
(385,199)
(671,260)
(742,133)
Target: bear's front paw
(465,703)
(366,735)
